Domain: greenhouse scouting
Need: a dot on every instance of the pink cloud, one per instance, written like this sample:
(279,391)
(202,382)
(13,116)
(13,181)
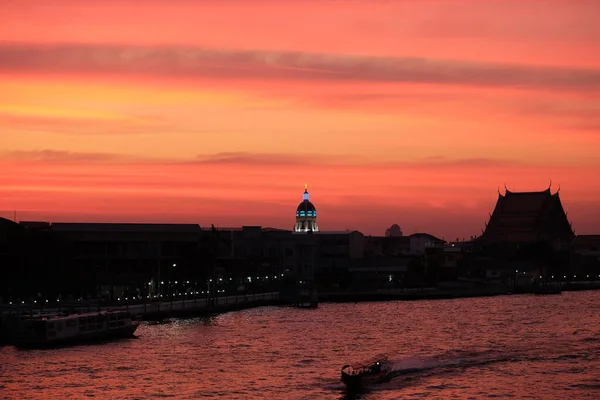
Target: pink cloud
(268,65)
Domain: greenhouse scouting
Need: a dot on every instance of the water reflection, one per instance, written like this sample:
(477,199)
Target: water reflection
(515,346)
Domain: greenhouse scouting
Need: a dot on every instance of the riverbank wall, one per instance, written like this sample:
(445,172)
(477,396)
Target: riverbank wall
(166,312)
(433,293)
(424,294)
(189,308)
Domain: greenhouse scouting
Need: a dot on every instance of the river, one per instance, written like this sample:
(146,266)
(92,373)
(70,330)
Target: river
(519,347)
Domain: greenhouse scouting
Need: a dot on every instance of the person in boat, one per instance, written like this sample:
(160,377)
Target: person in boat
(376,368)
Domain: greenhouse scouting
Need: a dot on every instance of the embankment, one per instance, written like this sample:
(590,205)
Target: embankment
(439,294)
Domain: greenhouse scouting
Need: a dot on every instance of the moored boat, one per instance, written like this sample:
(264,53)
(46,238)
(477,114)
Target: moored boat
(371,371)
(51,330)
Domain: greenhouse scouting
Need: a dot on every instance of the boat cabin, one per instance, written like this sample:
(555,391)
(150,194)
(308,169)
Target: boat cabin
(61,327)
(373,365)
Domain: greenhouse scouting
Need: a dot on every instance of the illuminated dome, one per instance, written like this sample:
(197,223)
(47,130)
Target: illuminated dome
(306,214)
(306,209)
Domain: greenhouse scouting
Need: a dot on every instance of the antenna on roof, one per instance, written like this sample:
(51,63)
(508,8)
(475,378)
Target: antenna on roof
(549,187)
(558,189)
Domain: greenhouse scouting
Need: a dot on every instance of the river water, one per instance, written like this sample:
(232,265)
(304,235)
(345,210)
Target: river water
(519,347)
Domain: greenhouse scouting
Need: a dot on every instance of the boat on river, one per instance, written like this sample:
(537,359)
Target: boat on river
(371,371)
(52,330)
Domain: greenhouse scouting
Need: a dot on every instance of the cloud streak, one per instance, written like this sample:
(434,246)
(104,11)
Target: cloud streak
(256,160)
(82,126)
(57,156)
(199,62)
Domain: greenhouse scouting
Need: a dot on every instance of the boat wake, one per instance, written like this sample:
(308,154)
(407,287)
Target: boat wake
(452,362)
(412,365)
(404,371)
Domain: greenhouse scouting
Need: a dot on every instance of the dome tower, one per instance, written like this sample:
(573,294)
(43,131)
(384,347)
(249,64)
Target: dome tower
(306,215)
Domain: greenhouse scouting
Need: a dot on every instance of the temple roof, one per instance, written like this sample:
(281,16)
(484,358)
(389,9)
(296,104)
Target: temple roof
(524,202)
(526,217)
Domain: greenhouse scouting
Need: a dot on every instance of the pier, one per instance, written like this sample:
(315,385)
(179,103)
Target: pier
(147,310)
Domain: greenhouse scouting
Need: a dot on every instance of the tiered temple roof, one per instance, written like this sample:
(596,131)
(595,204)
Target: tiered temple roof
(526,217)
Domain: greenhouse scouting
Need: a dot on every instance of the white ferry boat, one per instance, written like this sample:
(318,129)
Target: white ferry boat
(56,329)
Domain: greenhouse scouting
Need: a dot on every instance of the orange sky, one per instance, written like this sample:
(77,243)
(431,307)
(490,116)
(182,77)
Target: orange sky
(408,112)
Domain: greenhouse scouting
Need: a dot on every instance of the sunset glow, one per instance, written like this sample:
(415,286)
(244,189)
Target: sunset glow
(218,112)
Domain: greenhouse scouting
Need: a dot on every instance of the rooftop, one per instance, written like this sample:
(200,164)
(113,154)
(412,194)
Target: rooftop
(427,235)
(526,217)
(115,227)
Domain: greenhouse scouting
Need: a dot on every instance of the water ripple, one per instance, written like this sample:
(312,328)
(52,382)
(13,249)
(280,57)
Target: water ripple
(505,347)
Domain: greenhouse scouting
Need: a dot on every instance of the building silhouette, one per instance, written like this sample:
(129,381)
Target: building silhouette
(527,232)
(306,215)
(528,217)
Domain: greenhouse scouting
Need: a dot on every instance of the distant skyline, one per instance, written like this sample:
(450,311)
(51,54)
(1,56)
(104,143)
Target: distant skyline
(218,112)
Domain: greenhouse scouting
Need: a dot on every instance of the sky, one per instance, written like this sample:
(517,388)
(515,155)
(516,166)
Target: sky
(415,112)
